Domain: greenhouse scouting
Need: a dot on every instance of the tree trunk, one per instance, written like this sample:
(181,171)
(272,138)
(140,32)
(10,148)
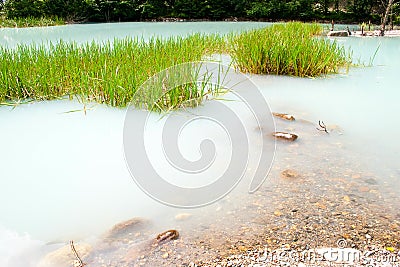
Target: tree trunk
(385,17)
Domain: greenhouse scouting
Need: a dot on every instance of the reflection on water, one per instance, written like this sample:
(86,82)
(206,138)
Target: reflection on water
(64,177)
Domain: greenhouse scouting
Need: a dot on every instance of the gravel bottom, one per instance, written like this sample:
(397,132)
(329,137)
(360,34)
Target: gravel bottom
(318,198)
(318,205)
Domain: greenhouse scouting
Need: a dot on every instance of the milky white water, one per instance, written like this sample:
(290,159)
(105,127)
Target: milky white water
(63,174)
(364,101)
(100,32)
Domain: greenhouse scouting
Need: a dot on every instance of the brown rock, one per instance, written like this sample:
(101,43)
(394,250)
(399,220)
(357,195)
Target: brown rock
(346,236)
(242,248)
(289,174)
(277,213)
(165,255)
(167,236)
(142,249)
(338,33)
(285,136)
(284,116)
(320,205)
(363,189)
(126,229)
(64,257)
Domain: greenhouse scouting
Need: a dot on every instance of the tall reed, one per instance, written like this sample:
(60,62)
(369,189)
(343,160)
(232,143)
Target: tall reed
(112,72)
(106,73)
(287,49)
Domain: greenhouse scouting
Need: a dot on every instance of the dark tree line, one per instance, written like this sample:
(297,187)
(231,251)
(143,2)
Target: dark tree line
(138,10)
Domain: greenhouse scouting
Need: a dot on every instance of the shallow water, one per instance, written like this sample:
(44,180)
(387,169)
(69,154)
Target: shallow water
(64,175)
(364,101)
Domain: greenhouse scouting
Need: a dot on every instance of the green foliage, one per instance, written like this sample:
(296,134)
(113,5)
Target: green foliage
(287,49)
(30,22)
(71,10)
(106,73)
(322,6)
(24,8)
(396,13)
(361,9)
(150,9)
(277,9)
(136,10)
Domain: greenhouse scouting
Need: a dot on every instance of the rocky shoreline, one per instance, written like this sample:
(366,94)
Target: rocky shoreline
(318,200)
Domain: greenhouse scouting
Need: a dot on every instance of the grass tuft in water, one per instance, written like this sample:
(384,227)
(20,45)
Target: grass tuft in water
(180,86)
(287,49)
(113,72)
(107,73)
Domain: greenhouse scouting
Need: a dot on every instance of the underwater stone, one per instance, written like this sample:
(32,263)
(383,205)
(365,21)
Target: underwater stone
(284,116)
(285,136)
(338,34)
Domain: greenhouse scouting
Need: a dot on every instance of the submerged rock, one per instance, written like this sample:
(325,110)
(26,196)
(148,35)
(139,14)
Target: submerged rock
(333,128)
(289,174)
(371,181)
(166,236)
(284,116)
(137,251)
(126,229)
(183,216)
(285,136)
(338,33)
(64,257)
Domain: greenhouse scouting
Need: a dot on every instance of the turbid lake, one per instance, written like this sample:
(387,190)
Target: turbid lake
(63,173)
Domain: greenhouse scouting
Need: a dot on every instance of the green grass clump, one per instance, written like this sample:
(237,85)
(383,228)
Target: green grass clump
(287,49)
(114,71)
(30,22)
(107,73)
(183,85)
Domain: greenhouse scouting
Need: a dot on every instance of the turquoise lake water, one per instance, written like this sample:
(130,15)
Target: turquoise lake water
(64,175)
